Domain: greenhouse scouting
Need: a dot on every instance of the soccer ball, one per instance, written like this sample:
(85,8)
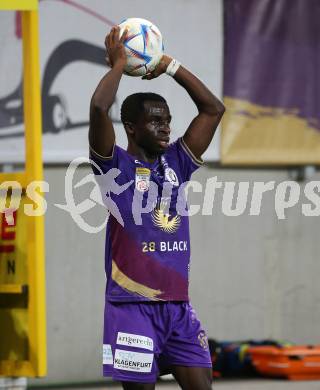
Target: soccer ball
(143,45)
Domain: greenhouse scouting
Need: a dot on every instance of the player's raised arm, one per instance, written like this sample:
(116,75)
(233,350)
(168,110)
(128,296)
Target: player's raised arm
(210,109)
(101,131)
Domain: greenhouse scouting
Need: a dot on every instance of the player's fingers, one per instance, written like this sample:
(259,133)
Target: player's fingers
(116,30)
(109,40)
(112,36)
(108,61)
(124,35)
(148,76)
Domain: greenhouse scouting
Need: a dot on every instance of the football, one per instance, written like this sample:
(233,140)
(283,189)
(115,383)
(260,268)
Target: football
(143,45)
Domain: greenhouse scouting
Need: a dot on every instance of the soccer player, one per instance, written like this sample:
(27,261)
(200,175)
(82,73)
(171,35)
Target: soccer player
(149,325)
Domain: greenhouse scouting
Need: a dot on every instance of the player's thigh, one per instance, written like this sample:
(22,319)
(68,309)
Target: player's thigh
(137,386)
(193,378)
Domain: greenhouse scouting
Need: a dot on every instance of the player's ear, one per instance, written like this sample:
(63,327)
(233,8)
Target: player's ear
(129,127)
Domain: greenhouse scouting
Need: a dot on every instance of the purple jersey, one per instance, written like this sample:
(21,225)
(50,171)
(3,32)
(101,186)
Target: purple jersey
(147,258)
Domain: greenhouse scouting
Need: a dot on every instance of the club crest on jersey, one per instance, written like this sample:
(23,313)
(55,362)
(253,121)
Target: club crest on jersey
(171,176)
(142,179)
(163,220)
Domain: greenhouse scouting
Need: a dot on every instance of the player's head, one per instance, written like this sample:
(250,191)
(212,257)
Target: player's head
(146,119)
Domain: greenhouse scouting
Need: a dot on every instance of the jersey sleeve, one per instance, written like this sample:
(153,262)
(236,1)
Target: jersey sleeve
(187,161)
(104,163)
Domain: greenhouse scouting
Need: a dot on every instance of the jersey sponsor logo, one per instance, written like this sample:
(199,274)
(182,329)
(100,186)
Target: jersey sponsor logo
(107,354)
(164,246)
(173,246)
(171,176)
(133,361)
(135,340)
(142,179)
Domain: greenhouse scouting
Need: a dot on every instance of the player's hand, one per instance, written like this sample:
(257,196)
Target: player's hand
(160,68)
(116,53)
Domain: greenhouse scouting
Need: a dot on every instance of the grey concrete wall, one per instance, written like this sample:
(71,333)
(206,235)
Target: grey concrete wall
(251,276)
(256,276)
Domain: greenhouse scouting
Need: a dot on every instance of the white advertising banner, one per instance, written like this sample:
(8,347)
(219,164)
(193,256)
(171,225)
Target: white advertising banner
(72,55)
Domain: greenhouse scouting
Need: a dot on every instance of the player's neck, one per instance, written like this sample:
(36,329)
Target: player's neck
(141,154)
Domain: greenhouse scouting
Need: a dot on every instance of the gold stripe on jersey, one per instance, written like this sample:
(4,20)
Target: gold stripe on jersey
(133,287)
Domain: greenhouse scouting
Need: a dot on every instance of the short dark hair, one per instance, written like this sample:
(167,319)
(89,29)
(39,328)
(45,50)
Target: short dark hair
(133,105)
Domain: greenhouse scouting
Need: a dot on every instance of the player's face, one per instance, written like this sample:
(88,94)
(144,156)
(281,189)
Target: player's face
(152,131)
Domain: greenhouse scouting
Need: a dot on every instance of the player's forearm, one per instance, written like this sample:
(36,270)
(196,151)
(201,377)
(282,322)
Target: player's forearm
(101,132)
(203,98)
(106,90)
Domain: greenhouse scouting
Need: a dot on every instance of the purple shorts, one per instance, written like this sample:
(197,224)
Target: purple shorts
(142,340)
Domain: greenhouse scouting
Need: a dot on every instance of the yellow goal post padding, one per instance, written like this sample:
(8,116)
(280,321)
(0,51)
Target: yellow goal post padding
(33,363)
(19,5)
